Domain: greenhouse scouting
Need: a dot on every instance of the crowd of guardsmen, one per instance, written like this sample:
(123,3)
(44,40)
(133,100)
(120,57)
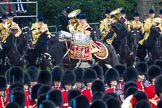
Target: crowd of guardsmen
(96,87)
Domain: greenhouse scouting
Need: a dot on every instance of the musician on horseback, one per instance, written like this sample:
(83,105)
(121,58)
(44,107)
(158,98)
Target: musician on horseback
(148,23)
(135,23)
(40,29)
(105,27)
(8,27)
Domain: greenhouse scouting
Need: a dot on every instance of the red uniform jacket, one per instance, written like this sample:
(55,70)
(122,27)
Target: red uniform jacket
(7,96)
(88,93)
(28,100)
(140,85)
(1,102)
(150,91)
(109,89)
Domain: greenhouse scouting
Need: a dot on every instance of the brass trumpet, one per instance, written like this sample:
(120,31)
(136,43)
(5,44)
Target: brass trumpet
(116,14)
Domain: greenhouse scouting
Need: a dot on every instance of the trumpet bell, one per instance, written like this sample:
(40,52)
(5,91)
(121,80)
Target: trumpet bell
(74,13)
(116,11)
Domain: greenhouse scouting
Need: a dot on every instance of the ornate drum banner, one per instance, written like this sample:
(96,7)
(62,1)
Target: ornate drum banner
(80,52)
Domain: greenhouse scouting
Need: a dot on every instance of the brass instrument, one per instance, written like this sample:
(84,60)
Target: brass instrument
(73,23)
(116,14)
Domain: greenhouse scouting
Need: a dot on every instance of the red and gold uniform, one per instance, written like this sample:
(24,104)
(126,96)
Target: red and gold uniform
(88,93)
(29,102)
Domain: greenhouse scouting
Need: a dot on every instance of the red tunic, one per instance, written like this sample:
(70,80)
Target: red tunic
(7,96)
(88,93)
(65,99)
(28,100)
(140,85)
(109,89)
(1,102)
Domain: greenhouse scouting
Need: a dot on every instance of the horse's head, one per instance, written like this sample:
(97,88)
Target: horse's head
(135,36)
(28,36)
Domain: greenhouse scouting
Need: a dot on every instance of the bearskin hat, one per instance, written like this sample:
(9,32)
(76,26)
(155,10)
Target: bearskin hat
(57,74)
(12,105)
(98,104)
(33,72)
(79,72)
(153,71)
(143,104)
(98,86)
(108,95)
(99,71)
(140,95)
(34,91)
(72,94)
(55,96)
(113,103)
(15,86)
(27,79)
(129,91)
(45,77)
(16,75)
(120,68)
(97,96)
(3,83)
(89,76)
(111,74)
(19,98)
(80,102)
(43,90)
(129,84)
(68,77)
(130,74)
(141,68)
(158,85)
(41,98)
(159,63)
(47,104)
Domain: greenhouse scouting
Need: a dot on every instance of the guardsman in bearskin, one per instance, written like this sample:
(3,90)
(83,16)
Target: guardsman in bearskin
(89,76)
(141,82)
(47,104)
(120,68)
(97,86)
(26,90)
(33,73)
(56,78)
(112,79)
(56,97)
(3,86)
(153,72)
(79,72)
(67,82)
(99,72)
(105,26)
(34,97)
